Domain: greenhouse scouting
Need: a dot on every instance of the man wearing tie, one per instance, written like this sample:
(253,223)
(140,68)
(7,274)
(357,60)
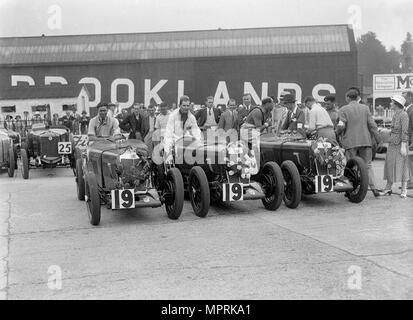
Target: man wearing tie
(151,119)
(208,117)
(295,118)
(229,119)
(245,109)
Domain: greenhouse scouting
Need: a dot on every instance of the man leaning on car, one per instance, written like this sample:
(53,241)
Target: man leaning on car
(102,125)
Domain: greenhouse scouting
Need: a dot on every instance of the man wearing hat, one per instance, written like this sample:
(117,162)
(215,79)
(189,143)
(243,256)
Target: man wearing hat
(331,109)
(356,125)
(37,118)
(102,125)
(408,95)
(295,118)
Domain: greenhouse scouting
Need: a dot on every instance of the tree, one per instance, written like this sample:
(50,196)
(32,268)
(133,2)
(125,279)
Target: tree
(373,58)
(407,54)
(394,59)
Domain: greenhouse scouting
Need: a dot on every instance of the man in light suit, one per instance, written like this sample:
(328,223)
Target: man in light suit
(229,119)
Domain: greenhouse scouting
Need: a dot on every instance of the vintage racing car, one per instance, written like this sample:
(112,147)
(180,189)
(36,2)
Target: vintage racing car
(118,174)
(314,166)
(9,144)
(223,171)
(46,147)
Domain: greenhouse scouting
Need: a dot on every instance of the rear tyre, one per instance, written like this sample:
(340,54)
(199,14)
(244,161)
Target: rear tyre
(12,163)
(25,163)
(199,194)
(174,193)
(272,182)
(92,198)
(80,180)
(292,184)
(356,172)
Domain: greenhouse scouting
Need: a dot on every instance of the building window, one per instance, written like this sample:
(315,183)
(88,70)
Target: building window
(8,109)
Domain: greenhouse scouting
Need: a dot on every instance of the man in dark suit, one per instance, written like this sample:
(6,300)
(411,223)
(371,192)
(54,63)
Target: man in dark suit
(136,123)
(245,108)
(208,116)
(229,118)
(408,95)
(295,118)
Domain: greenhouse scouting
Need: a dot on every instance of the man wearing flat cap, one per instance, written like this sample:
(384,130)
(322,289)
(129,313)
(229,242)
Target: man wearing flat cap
(295,118)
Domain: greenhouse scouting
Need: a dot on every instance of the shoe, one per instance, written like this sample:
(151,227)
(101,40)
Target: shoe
(386,192)
(403,195)
(377,193)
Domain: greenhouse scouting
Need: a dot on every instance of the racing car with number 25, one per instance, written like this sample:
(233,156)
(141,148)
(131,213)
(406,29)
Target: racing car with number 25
(46,147)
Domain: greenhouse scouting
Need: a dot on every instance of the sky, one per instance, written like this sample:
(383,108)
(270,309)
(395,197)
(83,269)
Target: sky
(389,19)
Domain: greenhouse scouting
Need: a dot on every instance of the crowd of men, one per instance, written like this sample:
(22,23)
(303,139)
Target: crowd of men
(351,125)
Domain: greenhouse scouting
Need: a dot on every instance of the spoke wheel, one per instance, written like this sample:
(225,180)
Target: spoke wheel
(25,163)
(173,193)
(273,185)
(199,194)
(356,172)
(12,162)
(92,199)
(292,184)
(80,180)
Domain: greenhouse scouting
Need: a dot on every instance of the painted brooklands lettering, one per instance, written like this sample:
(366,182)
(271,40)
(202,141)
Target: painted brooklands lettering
(153,91)
(404,82)
(215,309)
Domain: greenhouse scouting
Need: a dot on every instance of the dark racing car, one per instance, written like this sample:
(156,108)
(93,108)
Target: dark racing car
(118,174)
(46,147)
(314,166)
(223,171)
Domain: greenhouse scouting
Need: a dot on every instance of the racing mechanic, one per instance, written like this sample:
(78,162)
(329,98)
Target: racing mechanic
(180,123)
(319,120)
(260,117)
(102,125)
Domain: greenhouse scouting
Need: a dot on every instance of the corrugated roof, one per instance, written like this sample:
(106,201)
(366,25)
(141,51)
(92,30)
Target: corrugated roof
(42,92)
(177,44)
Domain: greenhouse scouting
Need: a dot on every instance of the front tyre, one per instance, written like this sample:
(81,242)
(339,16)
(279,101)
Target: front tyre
(292,184)
(25,163)
(12,162)
(356,172)
(80,180)
(198,188)
(92,198)
(272,182)
(174,193)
